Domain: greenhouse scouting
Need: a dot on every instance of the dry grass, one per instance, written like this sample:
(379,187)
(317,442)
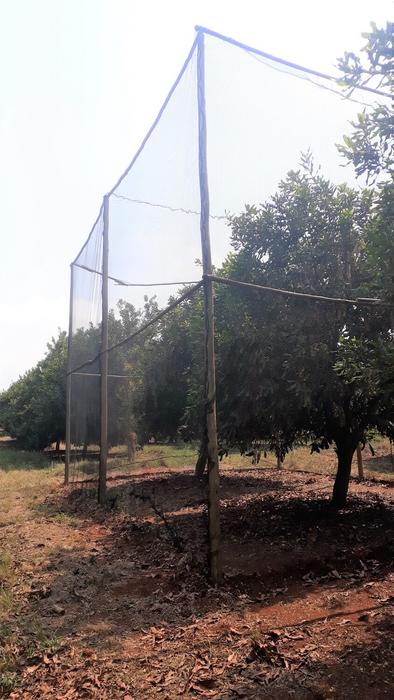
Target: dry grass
(24,478)
(300,459)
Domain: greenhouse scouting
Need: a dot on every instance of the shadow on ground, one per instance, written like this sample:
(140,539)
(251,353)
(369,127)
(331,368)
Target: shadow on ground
(301,612)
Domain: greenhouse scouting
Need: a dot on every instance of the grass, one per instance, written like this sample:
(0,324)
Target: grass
(12,458)
(24,487)
(26,479)
(8,676)
(173,456)
(151,457)
(6,580)
(20,645)
(5,567)
(32,475)
(325,462)
(49,510)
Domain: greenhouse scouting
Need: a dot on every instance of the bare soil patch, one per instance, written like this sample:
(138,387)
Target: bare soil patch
(121,596)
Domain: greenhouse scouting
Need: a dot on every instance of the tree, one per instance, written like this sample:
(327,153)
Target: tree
(168,396)
(368,366)
(33,408)
(276,357)
(280,379)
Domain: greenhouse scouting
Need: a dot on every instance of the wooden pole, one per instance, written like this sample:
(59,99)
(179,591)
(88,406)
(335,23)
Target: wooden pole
(210,389)
(360,466)
(68,381)
(102,482)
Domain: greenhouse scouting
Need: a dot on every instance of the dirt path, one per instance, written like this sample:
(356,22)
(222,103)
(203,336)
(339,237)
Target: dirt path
(115,604)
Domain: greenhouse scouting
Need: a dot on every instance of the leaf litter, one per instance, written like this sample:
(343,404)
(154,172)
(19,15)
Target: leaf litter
(304,610)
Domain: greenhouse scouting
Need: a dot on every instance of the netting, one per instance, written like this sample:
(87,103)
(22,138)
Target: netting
(261,116)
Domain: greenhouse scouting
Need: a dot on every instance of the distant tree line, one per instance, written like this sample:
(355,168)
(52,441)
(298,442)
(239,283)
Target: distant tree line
(33,409)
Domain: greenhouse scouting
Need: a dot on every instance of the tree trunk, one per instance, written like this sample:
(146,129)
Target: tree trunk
(278,461)
(85,449)
(57,448)
(345,451)
(360,465)
(201,460)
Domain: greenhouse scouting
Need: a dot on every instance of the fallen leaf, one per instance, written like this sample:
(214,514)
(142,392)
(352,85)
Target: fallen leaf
(58,609)
(206,692)
(31,669)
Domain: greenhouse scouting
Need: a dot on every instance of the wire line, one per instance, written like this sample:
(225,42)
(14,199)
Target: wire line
(283,61)
(303,295)
(189,293)
(121,283)
(306,79)
(179,210)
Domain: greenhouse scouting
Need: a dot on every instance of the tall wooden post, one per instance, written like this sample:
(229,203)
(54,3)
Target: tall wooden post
(68,381)
(210,389)
(102,482)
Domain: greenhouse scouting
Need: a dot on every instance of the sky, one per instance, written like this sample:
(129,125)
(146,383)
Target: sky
(81,81)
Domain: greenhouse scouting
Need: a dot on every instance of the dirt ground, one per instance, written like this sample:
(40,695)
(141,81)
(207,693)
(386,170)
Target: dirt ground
(120,601)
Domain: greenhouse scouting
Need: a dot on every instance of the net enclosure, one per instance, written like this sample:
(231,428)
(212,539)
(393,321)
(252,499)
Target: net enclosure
(233,124)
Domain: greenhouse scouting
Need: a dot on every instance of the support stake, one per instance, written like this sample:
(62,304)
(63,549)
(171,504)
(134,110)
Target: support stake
(68,382)
(102,482)
(360,462)
(210,389)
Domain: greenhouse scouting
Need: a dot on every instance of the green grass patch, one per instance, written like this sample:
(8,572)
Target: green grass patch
(13,458)
(5,567)
(21,645)
(49,510)
(166,456)
(8,682)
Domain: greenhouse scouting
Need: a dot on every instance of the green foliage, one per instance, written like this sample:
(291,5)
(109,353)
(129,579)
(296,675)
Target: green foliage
(169,394)
(371,146)
(380,243)
(281,378)
(368,367)
(375,67)
(280,381)
(126,361)
(33,408)
(280,352)
(279,359)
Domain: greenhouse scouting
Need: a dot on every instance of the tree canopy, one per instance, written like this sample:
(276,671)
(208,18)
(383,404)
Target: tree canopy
(33,408)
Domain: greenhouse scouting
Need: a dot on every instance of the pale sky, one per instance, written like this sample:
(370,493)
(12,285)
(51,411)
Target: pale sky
(81,82)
